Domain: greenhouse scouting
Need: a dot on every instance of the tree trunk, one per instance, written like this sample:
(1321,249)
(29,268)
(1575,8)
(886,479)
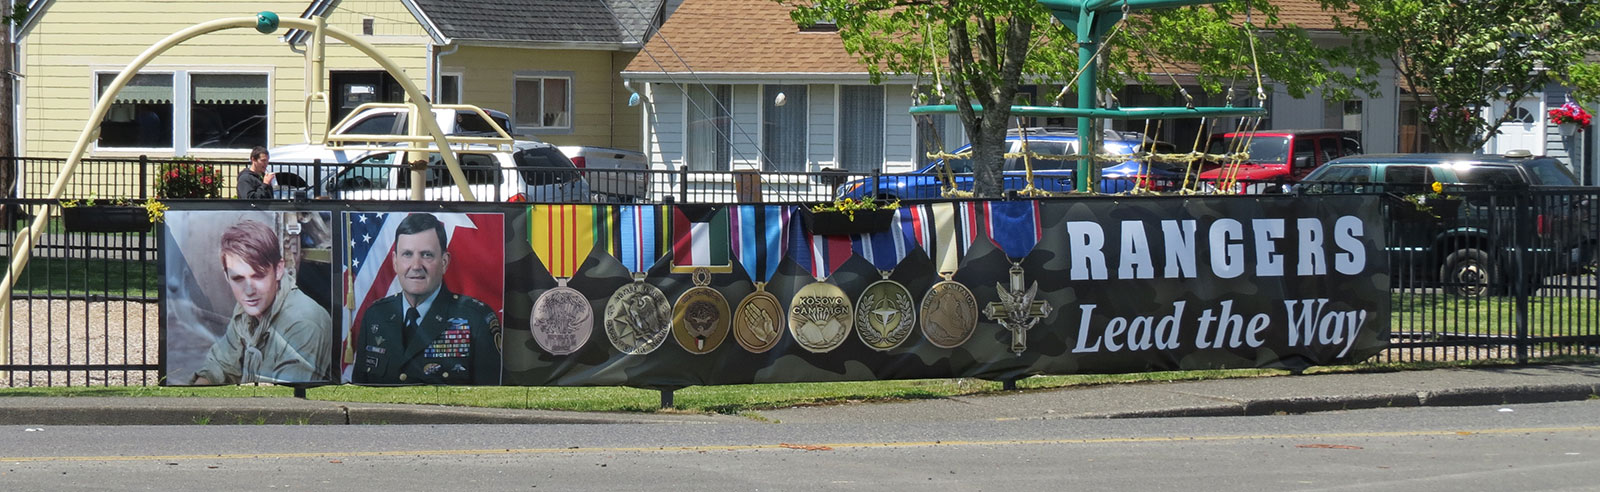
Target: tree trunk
(7,117)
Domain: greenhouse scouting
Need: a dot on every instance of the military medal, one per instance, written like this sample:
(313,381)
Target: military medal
(949,311)
(820,314)
(1014,228)
(758,322)
(700,318)
(562,237)
(638,317)
(885,313)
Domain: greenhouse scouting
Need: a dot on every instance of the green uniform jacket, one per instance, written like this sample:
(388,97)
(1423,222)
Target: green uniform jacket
(461,343)
(296,347)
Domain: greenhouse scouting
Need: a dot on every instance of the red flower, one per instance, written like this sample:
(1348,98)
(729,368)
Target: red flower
(206,180)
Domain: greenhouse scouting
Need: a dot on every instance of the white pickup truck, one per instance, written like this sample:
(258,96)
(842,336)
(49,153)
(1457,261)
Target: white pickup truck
(614,174)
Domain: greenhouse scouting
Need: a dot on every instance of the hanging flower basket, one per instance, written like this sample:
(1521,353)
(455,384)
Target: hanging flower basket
(842,223)
(1570,118)
(1568,129)
(105,219)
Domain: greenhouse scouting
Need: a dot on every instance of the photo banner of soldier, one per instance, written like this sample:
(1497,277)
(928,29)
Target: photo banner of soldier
(997,290)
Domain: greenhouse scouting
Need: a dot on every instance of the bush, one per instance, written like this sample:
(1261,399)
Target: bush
(190,179)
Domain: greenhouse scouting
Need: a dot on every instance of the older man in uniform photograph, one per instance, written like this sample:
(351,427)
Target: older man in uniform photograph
(277,333)
(426,334)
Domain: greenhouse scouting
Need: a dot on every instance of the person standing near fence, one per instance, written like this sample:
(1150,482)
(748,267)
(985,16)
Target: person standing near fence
(277,333)
(254,182)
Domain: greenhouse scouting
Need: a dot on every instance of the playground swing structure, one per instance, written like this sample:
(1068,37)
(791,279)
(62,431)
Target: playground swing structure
(1090,18)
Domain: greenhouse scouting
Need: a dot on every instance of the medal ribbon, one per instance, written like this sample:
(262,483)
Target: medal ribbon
(1014,227)
(821,255)
(945,231)
(759,240)
(700,240)
(562,236)
(634,234)
(885,249)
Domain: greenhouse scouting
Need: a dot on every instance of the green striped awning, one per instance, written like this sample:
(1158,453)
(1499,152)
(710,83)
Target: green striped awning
(144,88)
(229,88)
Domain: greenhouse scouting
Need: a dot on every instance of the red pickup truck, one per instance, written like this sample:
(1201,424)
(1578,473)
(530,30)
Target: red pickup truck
(1278,157)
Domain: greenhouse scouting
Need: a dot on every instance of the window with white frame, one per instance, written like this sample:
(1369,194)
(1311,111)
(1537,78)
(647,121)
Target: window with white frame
(707,146)
(222,111)
(861,128)
(141,114)
(783,127)
(543,102)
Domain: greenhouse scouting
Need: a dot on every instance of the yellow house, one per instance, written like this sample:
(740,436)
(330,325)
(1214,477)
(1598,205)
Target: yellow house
(552,65)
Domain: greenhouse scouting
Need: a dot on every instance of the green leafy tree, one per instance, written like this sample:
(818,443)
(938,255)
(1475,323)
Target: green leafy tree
(977,52)
(1470,54)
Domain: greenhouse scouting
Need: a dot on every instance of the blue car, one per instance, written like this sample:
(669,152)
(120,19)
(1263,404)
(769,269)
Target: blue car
(1054,175)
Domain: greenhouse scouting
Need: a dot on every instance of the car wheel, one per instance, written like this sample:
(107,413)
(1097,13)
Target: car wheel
(1468,273)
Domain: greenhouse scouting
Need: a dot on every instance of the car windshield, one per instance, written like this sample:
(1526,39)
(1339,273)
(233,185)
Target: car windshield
(1262,149)
(1549,172)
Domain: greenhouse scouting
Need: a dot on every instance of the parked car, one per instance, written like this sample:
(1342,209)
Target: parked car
(531,173)
(1467,249)
(377,119)
(1277,157)
(1055,175)
(617,174)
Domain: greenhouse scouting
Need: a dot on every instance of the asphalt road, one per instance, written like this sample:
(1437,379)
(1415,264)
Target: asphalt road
(1552,446)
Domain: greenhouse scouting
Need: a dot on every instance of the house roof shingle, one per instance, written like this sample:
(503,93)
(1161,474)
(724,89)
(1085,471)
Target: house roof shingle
(523,20)
(744,36)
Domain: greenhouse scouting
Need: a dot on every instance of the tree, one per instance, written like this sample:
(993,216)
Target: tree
(1471,53)
(979,51)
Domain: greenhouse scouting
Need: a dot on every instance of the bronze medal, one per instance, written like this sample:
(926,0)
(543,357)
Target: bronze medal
(949,314)
(561,320)
(758,322)
(885,315)
(1017,310)
(820,317)
(700,319)
(638,318)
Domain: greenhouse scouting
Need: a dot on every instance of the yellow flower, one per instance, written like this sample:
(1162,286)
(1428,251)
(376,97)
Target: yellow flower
(1438,187)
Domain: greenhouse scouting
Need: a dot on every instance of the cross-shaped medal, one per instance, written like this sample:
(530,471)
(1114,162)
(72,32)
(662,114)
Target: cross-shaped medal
(1016,310)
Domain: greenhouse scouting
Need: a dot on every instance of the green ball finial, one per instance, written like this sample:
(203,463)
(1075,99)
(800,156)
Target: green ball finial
(266,22)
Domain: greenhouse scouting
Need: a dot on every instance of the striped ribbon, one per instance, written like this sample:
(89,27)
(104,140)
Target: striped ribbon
(759,238)
(945,231)
(885,249)
(635,235)
(819,254)
(562,236)
(1014,227)
(700,241)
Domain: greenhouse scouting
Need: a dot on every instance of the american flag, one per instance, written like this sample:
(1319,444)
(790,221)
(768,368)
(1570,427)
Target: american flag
(476,268)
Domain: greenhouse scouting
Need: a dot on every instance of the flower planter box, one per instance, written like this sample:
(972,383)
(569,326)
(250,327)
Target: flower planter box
(840,223)
(105,219)
(1432,210)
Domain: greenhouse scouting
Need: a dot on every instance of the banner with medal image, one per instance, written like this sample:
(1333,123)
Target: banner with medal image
(424,297)
(248,297)
(997,290)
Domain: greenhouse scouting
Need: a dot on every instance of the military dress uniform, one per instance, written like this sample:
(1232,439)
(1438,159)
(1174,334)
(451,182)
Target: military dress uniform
(456,342)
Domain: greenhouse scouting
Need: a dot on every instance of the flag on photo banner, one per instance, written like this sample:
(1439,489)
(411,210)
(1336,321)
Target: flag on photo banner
(700,239)
(1014,227)
(759,238)
(635,235)
(562,236)
(886,248)
(816,253)
(476,268)
(946,230)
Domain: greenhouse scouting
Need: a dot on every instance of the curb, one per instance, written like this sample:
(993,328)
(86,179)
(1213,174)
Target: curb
(1446,398)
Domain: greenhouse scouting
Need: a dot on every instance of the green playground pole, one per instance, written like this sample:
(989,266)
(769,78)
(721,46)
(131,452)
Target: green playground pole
(1087,39)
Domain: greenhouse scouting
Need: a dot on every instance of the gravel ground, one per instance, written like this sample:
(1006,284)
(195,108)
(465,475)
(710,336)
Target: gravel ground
(82,333)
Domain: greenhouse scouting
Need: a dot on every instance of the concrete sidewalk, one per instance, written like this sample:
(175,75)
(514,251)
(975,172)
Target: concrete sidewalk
(1252,396)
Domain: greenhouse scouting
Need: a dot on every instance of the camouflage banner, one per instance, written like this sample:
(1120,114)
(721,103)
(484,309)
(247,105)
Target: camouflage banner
(1112,286)
(1010,289)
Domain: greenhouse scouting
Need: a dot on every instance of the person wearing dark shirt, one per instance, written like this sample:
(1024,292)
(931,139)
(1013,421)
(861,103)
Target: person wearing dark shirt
(254,183)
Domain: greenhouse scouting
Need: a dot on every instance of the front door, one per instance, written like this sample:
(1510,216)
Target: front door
(1525,129)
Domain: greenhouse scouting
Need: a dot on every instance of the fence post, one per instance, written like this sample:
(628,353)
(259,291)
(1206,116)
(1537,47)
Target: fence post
(1521,238)
(144,176)
(683,183)
(316,178)
(876,173)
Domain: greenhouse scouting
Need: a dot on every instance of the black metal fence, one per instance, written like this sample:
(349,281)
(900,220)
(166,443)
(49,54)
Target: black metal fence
(1478,274)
